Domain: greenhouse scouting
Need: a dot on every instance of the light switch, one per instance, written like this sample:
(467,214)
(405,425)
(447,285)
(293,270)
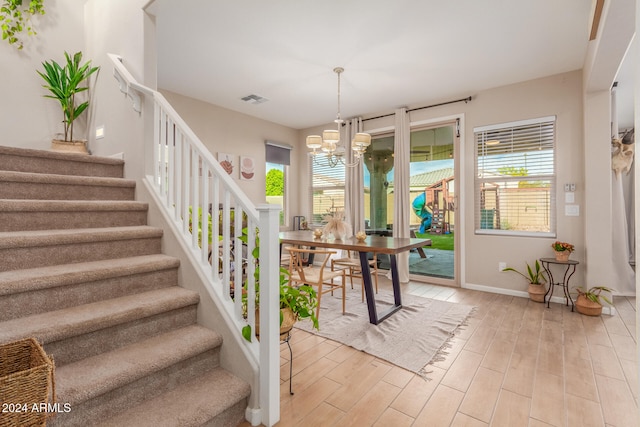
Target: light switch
(569,197)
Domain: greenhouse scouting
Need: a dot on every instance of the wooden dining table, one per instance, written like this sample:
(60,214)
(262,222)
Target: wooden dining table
(378,244)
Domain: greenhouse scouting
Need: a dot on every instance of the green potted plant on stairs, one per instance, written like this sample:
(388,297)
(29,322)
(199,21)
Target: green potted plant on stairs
(64,83)
(536,281)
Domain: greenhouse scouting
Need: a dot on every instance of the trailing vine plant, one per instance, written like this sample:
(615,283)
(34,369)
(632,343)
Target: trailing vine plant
(15,17)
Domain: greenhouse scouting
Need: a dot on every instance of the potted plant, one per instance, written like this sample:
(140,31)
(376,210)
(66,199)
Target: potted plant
(589,301)
(15,17)
(562,250)
(295,302)
(536,281)
(64,83)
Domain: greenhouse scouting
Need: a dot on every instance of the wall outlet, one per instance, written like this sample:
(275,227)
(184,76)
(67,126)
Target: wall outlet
(502,266)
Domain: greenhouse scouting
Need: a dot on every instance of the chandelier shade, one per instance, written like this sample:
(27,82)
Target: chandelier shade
(329,143)
(314,142)
(361,139)
(331,136)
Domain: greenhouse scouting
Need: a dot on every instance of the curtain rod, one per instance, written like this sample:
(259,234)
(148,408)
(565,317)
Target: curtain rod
(467,99)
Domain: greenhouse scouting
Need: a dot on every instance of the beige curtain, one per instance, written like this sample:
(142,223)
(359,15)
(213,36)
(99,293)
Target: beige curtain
(622,219)
(401,202)
(354,181)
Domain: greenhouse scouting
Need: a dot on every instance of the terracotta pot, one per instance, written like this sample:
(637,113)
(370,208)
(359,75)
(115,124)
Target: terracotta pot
(562,256)
(537,292)
(587,307)
(79,147)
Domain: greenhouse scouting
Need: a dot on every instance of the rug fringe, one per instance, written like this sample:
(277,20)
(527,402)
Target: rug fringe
(442,352)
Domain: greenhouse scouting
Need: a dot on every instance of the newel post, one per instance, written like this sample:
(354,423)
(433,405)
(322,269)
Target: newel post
(269,223)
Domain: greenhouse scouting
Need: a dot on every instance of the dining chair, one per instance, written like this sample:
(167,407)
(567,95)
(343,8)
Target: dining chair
(317,276)
(352,268)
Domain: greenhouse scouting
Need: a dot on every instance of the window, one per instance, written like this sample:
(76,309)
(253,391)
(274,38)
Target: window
(327,188)
(277,156)
(515,178)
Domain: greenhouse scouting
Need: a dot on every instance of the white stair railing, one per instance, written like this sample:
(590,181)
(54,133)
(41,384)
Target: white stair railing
(220,226)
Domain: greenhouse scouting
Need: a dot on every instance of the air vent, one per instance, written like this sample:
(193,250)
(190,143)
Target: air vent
(254,99)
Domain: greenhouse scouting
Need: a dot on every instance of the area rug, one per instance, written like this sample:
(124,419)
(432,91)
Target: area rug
(411,338)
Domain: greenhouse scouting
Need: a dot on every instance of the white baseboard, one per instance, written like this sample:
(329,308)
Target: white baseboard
(556,299)
(493,290)
(253,416)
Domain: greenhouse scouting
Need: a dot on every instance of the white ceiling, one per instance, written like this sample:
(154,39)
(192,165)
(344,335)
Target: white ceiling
(395,53)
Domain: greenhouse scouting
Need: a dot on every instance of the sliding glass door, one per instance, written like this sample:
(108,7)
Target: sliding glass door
(432,195)
(433,200)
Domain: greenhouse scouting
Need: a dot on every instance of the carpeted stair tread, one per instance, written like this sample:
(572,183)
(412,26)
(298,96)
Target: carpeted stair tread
(26,205)
(94,376)
(29,214)
(69,322)
(32,152)
(191,404)
(26,280)
(39,238)
(42,178)
(25,159)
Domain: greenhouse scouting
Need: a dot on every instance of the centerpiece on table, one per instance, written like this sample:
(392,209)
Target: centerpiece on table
(562,250)
(336,226)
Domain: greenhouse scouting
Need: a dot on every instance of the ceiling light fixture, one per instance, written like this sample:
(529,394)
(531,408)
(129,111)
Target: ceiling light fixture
(329,142)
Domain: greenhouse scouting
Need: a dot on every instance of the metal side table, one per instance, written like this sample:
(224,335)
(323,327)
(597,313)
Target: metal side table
(568,272)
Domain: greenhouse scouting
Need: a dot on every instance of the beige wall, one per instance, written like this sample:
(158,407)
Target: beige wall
(27,119)
(118,28)
(227,131)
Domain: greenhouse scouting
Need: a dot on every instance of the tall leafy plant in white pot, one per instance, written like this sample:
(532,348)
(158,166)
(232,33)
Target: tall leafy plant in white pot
(64,83)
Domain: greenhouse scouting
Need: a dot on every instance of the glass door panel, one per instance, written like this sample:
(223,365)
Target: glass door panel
(432,195)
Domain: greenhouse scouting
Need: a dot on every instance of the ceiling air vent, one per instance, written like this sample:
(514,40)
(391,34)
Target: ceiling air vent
(254,99)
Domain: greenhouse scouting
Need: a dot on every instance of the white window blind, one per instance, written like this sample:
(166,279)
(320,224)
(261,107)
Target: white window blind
(515,178)
(327,188)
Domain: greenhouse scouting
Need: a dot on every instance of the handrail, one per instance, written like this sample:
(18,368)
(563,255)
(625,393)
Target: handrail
(219,225)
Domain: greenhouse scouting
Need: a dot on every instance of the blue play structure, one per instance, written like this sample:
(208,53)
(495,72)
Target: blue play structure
(420,208)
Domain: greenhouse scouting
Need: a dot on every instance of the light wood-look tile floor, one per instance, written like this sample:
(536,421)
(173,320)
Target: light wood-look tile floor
(516,363)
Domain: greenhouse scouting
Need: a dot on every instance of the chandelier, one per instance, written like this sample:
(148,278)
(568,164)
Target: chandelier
(329,143)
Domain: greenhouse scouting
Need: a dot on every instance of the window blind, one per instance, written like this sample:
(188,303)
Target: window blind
(327,188)
(515,178)
(277,152)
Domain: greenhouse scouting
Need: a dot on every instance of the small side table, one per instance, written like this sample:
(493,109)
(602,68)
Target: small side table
(568,272)
(285,337)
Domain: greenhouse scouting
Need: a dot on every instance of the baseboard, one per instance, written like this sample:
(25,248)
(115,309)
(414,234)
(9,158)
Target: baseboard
(253,416)
(494,290)
(556,299)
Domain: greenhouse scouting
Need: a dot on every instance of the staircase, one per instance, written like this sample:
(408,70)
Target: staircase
(82,272)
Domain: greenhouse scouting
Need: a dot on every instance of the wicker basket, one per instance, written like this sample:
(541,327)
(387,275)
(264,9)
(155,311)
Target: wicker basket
(587,307)
(562,256)
(26,383)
